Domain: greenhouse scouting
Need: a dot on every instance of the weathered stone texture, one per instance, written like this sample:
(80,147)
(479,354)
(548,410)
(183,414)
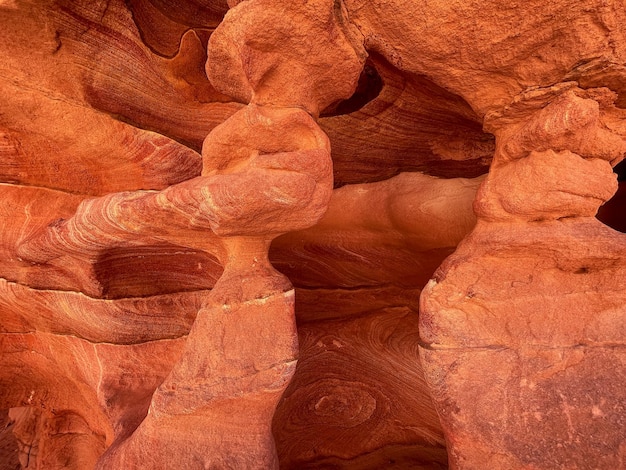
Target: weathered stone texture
(351,234)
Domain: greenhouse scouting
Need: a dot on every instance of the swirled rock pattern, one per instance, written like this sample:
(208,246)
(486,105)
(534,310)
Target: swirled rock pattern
(358,399)
(167,218)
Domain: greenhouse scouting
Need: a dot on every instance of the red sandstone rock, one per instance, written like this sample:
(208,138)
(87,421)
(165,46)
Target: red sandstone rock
(488,53)
(526,301)
(358,400)
(312,45)
(121,248)
(374,234)
(540,320)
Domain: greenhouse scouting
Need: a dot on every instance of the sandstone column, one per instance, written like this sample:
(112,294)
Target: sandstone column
(266,171)
(523,327)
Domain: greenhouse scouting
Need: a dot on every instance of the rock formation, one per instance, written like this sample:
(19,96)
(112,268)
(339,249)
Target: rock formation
(351,234)
(533,299)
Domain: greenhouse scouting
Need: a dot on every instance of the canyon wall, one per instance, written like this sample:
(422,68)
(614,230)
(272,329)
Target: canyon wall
(353,234)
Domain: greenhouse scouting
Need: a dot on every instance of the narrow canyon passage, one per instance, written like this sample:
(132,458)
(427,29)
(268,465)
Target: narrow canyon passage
(324,234)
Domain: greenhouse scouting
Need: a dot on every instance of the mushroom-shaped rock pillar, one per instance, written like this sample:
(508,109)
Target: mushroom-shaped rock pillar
(266,171)
(522,328)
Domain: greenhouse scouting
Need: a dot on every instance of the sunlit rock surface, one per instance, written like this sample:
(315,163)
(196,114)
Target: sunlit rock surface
(180,284)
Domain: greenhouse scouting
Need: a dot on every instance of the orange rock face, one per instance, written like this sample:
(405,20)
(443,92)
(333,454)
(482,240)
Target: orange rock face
(323,234)
(533,298)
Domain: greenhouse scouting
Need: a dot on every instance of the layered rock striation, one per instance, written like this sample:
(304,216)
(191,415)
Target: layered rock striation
(323,234)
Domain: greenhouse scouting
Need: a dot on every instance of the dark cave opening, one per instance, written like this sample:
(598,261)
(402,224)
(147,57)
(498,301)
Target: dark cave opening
(369,87)
(613,212)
